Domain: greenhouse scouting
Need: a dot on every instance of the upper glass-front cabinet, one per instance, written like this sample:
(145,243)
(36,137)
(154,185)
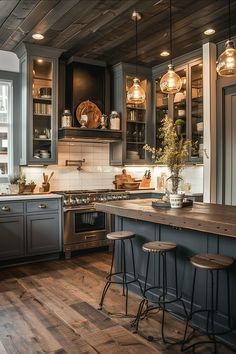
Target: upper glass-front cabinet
(137,119)
(185,107)
(136,123)
(42,142)
(39,70)
(196,128)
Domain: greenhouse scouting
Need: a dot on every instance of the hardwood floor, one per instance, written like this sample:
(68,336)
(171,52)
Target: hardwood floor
(51,307)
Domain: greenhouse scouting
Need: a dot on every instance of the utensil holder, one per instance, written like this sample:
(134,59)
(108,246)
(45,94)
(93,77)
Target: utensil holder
(45,186)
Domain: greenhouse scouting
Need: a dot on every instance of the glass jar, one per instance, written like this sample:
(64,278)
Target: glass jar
(66,119)
(114,120)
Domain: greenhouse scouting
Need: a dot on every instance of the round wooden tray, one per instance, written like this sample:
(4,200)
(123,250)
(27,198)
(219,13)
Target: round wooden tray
(92,111)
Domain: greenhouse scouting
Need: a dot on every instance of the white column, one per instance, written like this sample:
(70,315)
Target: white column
(209,118)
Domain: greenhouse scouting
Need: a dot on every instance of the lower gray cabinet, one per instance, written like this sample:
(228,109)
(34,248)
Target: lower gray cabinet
(12,238)
(43,234)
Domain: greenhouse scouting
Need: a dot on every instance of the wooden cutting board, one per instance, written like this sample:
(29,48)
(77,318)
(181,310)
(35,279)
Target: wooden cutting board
(120,179)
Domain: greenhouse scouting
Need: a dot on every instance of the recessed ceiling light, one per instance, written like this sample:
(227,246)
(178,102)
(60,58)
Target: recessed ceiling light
(164,53)
(38,36)
(209,31)
(40,61)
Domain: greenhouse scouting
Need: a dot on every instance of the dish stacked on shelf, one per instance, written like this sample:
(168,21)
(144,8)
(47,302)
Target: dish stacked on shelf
(133,155)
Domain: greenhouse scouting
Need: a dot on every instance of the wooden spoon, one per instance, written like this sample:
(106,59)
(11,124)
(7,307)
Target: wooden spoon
(51,176)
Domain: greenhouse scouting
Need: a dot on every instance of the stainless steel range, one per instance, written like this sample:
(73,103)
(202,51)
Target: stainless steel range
(84,227)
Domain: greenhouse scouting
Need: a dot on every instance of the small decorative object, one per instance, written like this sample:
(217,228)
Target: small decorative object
(114,120)
(66,119)
(104,119)
(173,153)
(92,113)
(179,125)
(176,200)
(83,120)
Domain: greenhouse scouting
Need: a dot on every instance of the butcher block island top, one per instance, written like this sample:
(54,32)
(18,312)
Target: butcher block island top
(212,218)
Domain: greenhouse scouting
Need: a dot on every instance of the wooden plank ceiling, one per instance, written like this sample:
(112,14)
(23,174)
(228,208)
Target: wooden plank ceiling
(103,29)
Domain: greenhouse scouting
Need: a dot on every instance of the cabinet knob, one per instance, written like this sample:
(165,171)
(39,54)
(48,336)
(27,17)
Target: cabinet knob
(42,206)
(5,208)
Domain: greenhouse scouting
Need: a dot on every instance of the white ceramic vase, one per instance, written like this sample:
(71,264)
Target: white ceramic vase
(176,201)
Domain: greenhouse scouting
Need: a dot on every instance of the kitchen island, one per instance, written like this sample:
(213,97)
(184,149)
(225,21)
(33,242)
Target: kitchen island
(201,228)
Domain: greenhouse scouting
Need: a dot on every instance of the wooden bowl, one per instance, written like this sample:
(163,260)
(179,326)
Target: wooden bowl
(131,185)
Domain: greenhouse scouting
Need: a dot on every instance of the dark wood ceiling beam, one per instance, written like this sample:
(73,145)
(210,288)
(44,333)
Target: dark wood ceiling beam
(148,43)
(26,26)
(100,22)
(117,34)
(50,17)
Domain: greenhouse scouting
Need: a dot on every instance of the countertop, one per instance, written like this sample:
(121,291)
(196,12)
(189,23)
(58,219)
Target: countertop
(9,197)
(213,218)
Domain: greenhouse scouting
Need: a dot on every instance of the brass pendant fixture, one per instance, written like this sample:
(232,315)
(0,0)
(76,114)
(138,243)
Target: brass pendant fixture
(136,94)
(226,64)
(170,82)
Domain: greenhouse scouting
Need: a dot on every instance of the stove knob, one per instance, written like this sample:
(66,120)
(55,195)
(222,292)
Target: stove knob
(78,200)
(72,201)
(66,201)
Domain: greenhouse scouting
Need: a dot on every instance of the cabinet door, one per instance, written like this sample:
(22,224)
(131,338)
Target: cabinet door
(42,147)
(136,125)
(43,234)
(196,111)
(11,237)
(137,119)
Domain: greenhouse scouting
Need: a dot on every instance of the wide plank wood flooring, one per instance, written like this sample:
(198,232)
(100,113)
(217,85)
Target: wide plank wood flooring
(51,307)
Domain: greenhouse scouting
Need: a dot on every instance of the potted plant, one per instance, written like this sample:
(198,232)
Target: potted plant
(179,123)
(173,153)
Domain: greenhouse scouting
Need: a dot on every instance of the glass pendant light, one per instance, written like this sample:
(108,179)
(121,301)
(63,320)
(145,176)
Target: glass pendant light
(170,82)
(226,65)
(136,93)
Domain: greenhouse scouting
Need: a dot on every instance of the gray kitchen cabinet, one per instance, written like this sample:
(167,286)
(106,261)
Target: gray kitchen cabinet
(136,119)
(12,237)
(39,109)
(30,228)
(43,235)
(184,107)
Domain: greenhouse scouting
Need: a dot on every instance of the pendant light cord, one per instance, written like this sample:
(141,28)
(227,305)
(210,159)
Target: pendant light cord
(136,44)
(229,22)
(170,34)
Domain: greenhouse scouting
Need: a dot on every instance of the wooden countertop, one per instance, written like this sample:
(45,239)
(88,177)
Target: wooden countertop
(213,218)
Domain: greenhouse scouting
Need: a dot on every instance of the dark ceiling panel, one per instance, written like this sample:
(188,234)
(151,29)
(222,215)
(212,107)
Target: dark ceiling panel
(103,29)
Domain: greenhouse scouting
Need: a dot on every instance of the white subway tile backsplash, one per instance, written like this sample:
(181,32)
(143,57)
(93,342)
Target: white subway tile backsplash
(96,172)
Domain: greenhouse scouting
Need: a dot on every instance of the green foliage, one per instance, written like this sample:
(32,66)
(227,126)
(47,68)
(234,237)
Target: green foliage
(174,150)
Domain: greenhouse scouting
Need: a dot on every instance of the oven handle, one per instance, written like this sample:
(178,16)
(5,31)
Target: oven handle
(79,210)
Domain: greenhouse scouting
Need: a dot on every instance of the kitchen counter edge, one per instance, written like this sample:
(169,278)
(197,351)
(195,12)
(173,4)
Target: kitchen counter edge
(211,218)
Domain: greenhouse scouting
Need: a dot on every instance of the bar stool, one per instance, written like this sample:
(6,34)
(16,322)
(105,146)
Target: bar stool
(123,237)
(213,263)
(163,248)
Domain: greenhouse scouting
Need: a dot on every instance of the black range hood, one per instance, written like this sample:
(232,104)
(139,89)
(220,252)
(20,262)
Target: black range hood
(89,135)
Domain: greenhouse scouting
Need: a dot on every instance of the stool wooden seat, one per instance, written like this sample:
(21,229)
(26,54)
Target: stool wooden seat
(120,235)
(211,261)
(159,246)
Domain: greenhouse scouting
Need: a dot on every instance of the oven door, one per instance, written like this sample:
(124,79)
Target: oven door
(85,225)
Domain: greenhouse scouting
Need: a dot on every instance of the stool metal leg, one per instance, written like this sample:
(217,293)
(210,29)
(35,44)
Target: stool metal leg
(189,317)
(108,283)
(135,323)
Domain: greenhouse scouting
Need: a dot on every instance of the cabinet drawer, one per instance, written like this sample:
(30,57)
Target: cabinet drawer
(42,205)
(8,208)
